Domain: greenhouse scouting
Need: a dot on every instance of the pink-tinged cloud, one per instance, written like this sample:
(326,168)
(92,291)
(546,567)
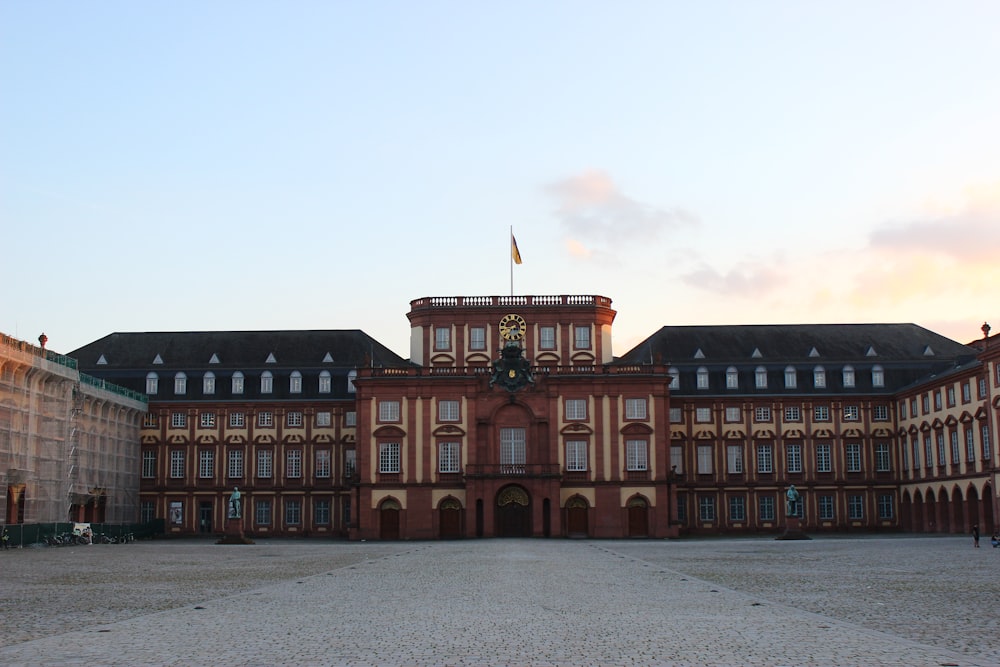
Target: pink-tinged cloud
(747,279)
(595,212)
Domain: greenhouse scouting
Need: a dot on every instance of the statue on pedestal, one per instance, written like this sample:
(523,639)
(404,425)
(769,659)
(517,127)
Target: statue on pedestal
(792,498)
(234,504)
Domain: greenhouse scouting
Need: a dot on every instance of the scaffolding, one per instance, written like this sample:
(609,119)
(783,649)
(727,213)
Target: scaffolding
(69,443)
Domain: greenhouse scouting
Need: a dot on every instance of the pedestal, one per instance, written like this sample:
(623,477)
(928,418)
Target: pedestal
(793,530)
(234,532)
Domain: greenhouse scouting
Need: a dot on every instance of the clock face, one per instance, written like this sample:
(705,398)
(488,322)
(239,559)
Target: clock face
(512,327)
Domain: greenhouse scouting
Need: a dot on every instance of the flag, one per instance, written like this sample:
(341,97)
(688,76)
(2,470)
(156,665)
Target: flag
(514,253)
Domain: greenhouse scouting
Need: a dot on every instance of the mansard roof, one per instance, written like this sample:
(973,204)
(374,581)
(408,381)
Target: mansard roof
(794,343)
(237,350)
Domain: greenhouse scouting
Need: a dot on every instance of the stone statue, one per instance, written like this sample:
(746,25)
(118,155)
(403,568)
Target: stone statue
(234,503)
(791,498)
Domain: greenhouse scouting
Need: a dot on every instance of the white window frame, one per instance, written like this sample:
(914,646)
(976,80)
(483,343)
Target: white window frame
(323,418)
(636,408)
(176,464)
(350,418)
(734,459)
(323,462)
(705,464)
(235,464)
(793,456)
(852,456)
(762,413)
(180,383)
(734,414)
(760,377)
(732,378)
(883,458)
(295,383)
(848,376)
(449,457)
(701,378)
(442,338)
(265,419)
(703,415)
(449,410)
(262,512)
(238,383)
(880,412)
(824,461)
(148,464)
(676,415)
(765,459)
(388,411)
(878,376)
(852,413)
(206,464)
(325,382)
(819,377)
(266,382)
(636,455)
(855,507)
(766,508)
(576,409)
(237,419)
(576,456)
(821,413)
(389,458)
(546,338)
(293,511)
(791,377)
(793,413)
(513,448)
(293,418)
(265,464)
(152,383)
(293,463)
(581,337)
(477,338)
(826,508)
(178,420)
(208,383)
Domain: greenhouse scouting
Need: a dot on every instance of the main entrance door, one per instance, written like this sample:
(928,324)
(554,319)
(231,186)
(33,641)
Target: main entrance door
(450,519)
(205,516)
(638,517)
(513,512)
(389,520)
(576,517)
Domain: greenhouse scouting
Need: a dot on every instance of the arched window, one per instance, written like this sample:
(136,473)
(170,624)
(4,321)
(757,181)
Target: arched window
(237,382)
(266,382)
(350,381)
(208,383)
(732,378)
(152,383)
(675,378)
(819,377)
(324,382)
(878,376)
(295,383)
(791,380)
(760,377)
(180,383)
(702,378)
(848,376)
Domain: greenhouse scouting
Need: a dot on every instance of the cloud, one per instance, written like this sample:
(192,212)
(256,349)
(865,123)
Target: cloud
(594,212)
(747,279)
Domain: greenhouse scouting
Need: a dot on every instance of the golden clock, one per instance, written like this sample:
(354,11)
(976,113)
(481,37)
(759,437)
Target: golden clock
(512,327)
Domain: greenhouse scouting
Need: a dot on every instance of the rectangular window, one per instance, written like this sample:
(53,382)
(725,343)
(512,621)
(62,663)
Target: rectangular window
(855,508)
(264,464)
(765,460)
(237,384)
(956,457)
(442,338)
(851,413)
(180,384)
(293,463)
(448,457)
(823,463)
(321,512)
(477,338)
(147,511)
(966,393)
(208,384)
(791,378)
(970,445)
(581,338)
(937,400)
(576,455)
(512,449)
(737,508)
(576,409)
(733,414)
(913,407)
(852,453)
(266,383)
(293,512)
(148,464)
(350,418)
(732,379)
(878,377)
(703,415)
(793,414)
(766,508)
(940,448)
(293,419)
(149,420)
(982,388)
(152,384)
(821,413)
(178,420)
(902,409)
(916,453)
(265,418)
(207,420)
(323,467)
(704,459)
(682,505)
(263,515)
(636,458)
(388,411)
(388,457)
(762,414)
(734,456)
(448,411)
(547,338)
(819,378)
(635,408)
(986,442)
(177,463)
(237,420)
(928,452)
(706,509)
(350,462)
(885,506)
(760,378)
(883,462)
(676,416)
(848,377)
(235,464)
(325,383)
(677,459)
(794,456)
(880,413)
(323,419)
(951,397)
(206,464)
(702,378)
(295,383)
(826,508)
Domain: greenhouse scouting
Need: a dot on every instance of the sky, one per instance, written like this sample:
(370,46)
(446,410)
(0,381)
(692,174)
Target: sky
(190,166)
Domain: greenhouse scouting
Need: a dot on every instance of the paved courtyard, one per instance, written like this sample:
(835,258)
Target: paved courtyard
(746,601)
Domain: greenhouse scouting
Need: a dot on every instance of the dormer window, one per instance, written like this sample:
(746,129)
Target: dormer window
(878,376)
(732,378)
(819,377)
(324,382)
(702,378)
(180,383)
(760,377)
(266,382)
(350,381)
(208,383)
(848,376)
(675,378)
(295,383)
(152,383)
(237,382)
(791,379)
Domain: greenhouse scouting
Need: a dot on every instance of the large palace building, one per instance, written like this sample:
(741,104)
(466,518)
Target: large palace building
(513,417)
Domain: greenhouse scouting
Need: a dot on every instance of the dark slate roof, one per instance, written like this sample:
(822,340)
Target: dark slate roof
(128,357)
(906,352)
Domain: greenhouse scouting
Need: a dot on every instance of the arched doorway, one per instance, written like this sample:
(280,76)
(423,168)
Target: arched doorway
(388,526)
(906,512)
(989,523)
(513,512)
(449,519)
(576,517)
(638,517)
(918,513)
(15,503)
(972,505)
(959,511)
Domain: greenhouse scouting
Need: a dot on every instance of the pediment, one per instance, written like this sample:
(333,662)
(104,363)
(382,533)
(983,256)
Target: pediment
(853,433)
(793,433)
(207,440)
(822,433)
(763,433)
(293,439)
(547,358)
(236,440)
(448,430)
(577,428)
(389,432)
(583,357)
(443,359)
(477,358)
(734,434)
(264,439)
(637,429)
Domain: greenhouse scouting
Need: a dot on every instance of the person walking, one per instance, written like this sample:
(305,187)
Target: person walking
(975,535)
(6,539)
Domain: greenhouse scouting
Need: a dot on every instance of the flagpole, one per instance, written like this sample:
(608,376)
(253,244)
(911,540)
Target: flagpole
(511,254)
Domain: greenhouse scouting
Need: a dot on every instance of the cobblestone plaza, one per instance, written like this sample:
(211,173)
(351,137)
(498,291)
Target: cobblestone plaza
(747,601)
